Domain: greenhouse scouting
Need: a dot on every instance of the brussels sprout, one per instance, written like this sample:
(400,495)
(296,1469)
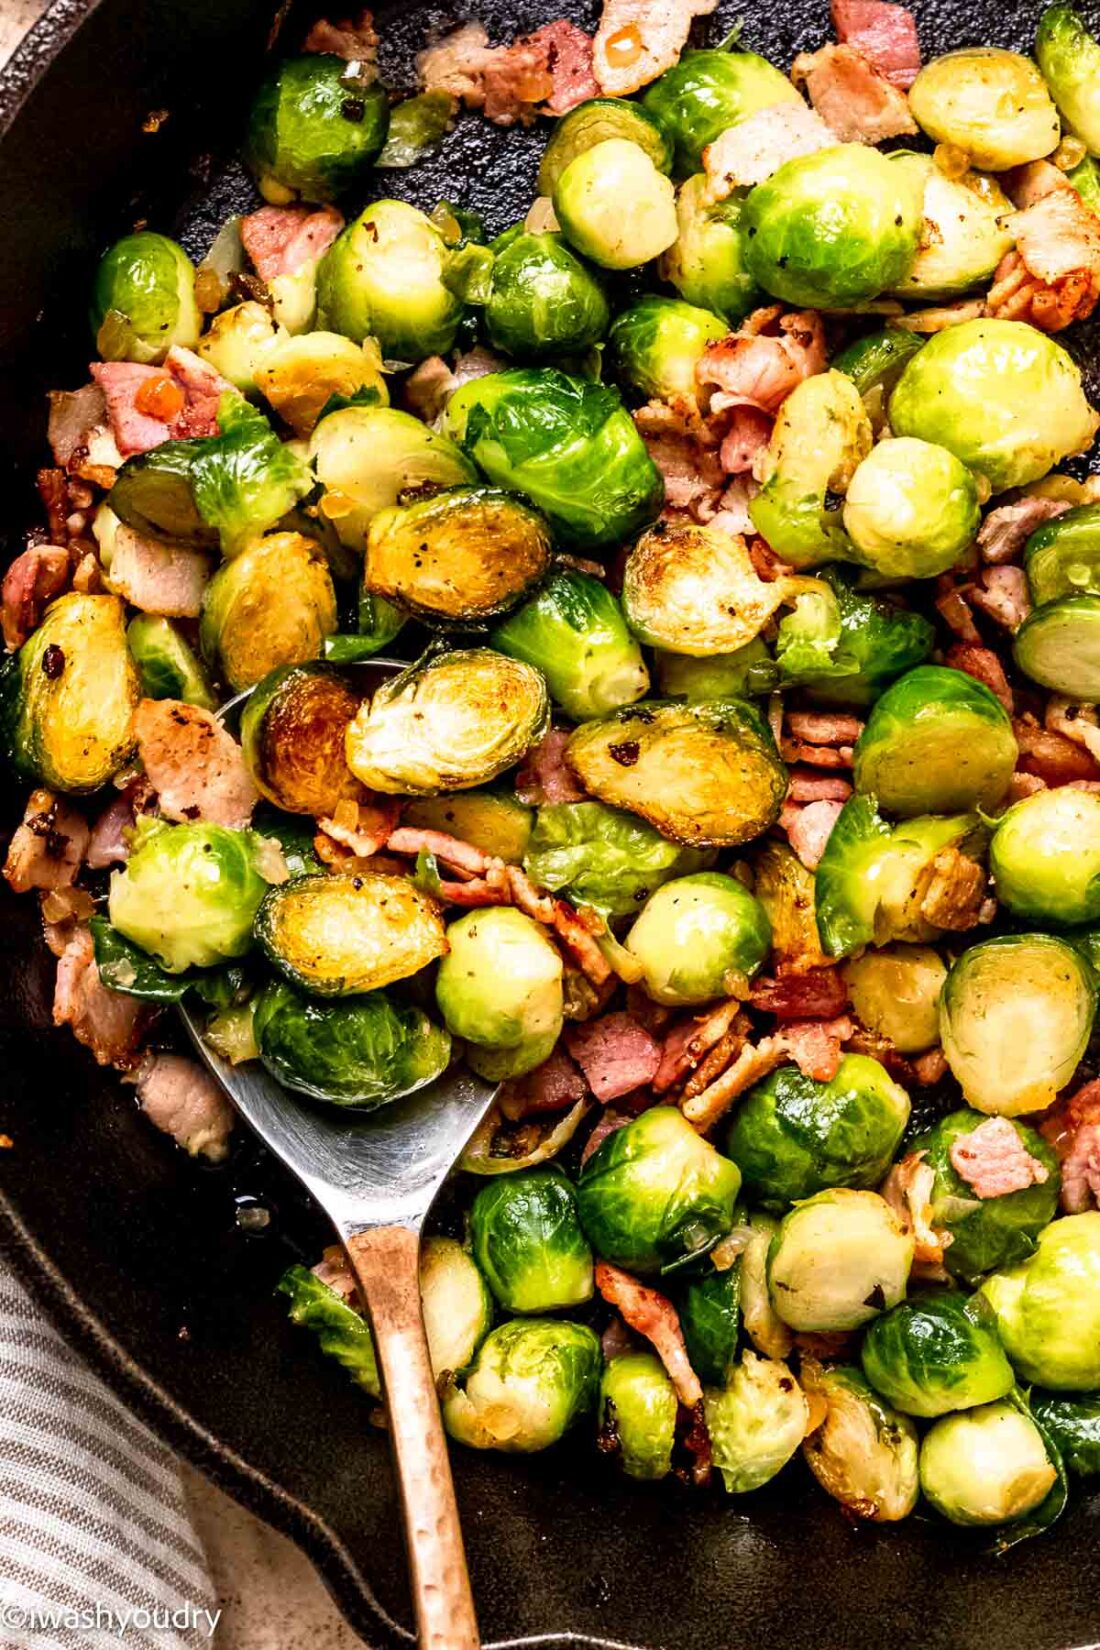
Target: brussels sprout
(912,509)
(528,1242)
(1045,857)
(698,938)
(143,300)
(834,228)
(338,934)
(494,821)
(292,733)
(702,94)
(1015,1019)
(500,983)
(1062,556)
(873,878)
(706,774)
(935,1354)
(785,888)
(603,857)
(1073,1426)
(531,1380)
(793,1136)
(124,967)
(746,671)
(188,893)
(453,722)
(68,696)
(294,838)
(383,278)
(936,741)
(238,341)
(362,1051)
(567,443)
(844,646)
(838,1260)
(1085,178)
(1069,57)
(166,663)
(417,125)
(272,605)
(864,1454)
(966,231)
(986,1466)
(767,1332)
(706,262)
(1058,646)
(299,376)
(379,623)
(500,1065)
(656,345)
(573,630)
(756,1422)
(588,203)
(896,993)
(314,129)
(366,457)
(543,301)
(153,495)
(990,103)
(1001,396)
(458,558)
(638,1410)
(875,363)
(596,121)
(709,1312)
(1048,1307)
(821,434)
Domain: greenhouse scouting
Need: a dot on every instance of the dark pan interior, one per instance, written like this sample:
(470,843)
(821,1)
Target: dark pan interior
(139,1252)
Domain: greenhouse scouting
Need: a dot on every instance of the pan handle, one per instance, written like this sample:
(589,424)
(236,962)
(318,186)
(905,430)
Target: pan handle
(386,1261)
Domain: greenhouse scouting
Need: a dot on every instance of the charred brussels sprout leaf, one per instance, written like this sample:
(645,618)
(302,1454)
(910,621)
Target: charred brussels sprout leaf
(699,937)
(543,301)
(1073,1424)
(937,1353)
(990,103)
(531,1380)
(528,1242)
(166,663)
(847,649)
(967,231)
(339,933)
(143,301)
(935,742)
(271,606)
(500,985)
(1048,1307)
(573,630)
(293,732)
(603,857)
(864,1454)
(838,1260)
(383,278)
(1062,556)
(706,91)
(756,1422)
(822,433)
(1058,646)
(638,1410)
(588,203)
(315,128)
(595,121)
(987,1466)
(366,457)
(1045,858)
(656,345)
(709,1312)
(911,509)
(706,262)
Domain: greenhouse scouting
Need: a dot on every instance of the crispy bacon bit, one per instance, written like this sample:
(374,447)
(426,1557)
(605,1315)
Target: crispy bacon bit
(954,893)
(281,240)
(1051,756)
(953,610)
(941,316)
(885,34)
(856,102)
(108,844)
(355,42)
(109,1023)
(1053,276)
(569,61)
(808,786)
(1078,723)
(1002,595)
(195,766)
(816,756)
(183,1099)
(994,1161)
(637,40)
(908,1190)
(931,1067)
(809,829)
(615,1053)
(714,1063)
(79,437)
(653,1315)
(1006,530)
(34,578)
(750,151)
(760,366)
(365,826)
(687,1044)
(549,70)
(48,848)
(1073,1129)
(544,776)
(818,994)
(754,1061)
(744,440)
(463,856)
(334,1272)
(824,727)
(684,447)
(984,666)
(553,1086)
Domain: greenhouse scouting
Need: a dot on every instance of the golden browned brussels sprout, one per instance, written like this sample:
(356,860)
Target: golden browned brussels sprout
(298,376)
(272,605)
(293,732)
(992,104)
(339,934)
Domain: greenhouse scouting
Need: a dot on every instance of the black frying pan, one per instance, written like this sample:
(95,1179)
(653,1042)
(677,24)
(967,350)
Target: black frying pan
(138,1252)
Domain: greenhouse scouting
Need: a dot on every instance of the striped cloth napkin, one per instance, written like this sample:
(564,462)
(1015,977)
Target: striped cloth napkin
(97,1548)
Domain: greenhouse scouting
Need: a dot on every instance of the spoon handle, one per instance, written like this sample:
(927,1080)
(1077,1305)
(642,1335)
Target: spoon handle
(386,1263)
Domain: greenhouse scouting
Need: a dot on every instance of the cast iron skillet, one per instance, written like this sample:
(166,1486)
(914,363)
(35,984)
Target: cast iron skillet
(138,1252)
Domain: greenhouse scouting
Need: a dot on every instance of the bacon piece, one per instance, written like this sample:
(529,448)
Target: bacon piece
(687,1043)
(908,1189)
(34,578)
(809,829)
(550,69)
(755,1061)
(182,1098)
(356,42)
(79,436)
(930,1067)
(186,391)
(281,240)
(463,856)
(818,994)
(1073,1129)
(615,1053)
(544,776)
(1054,758)
(824,727)
(1079,723)
(856,102)
(994,1161)
(108,844)
(684,447)
(1052,278)
(637,40)
(750,151)
(1006,530)
(429,387)
(479,891)
(334,1272)
(553,1086)
(653,1315)
(368,827)
(758,368)
(1024,784)
(816,756)
(572,931)
(984,666)
(954,893)
(745,438)
(733,518)
(456,65)
(48,848)
(569,61)
(193,763)
(1003,595)
(607,1123)
(158,578)
(815,1045)
(808,786)
(108,1023)
(885,34)
(953,610)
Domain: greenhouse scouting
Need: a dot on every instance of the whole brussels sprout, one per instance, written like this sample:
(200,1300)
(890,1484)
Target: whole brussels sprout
(166,663)
(844,645)
(500,983)
(315,128)
(238,340)
(272,605)
(895,992)
(543,301)
(143,300)
(1057,646)
(528,1242)
(656,345)
(339,934)
(967,231)
(793,1135)
(383,278)
(709,1311)
(986,1466)
(833,229)
(936,742)
(1073,1426)
(911,509)
(1048,1307)
(638,1410)
(992,104)
(655,1194)
(595,121)
(530,1381)
(698,938)
(746,671)
(1045,857)
(706,262)
(573,630)
(756,1422)
(864,1454)
(602,857)
(188,894)
(366,457)
(707,91)
(838,1260)
(588,203)
(1062,556)
(821,434)
(1004,398)
(1015,1019)
(935,1354)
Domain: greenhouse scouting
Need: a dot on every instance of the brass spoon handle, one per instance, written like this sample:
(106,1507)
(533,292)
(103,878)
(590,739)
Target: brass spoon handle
(386,1263)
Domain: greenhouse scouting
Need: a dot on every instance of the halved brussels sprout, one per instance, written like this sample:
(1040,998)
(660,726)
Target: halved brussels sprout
(756,1422)
(1045,857)
(709,1310)
(1015,1019)
(595,121)
(366,457)
(1062,556)
(451,723)
(542,300)
(864,1454)
(166,663)
(966,231)
(844,645)
(567,443)
(936,742)
(143,300)
(153,495)
(699,937)
(911,509)
(833,229)
(293,732)
(937,1353)
(986,1466)
(747,671)
(992,104)
(1058,646)
(765,1329)
(656,345)
(1048,1307)
(271,605)
(494,821)
(528,1242)
(362,1051)
(383,278)
(1001,396)
(458,558)
(603,857)
(500,1146)
(67,698)
(339,934)
(706,774)
(822,433)
(573,630)
(238,341)
(785,888)
(838,1260)
(588,203)
(500,983)
(793,1136)
(314,129)
(706,262)
(638,1410)
(531,1380)
(188,894)
(655,1194)
(896,993)
(299,376)
(702,94)
(1073,1426)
